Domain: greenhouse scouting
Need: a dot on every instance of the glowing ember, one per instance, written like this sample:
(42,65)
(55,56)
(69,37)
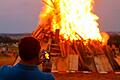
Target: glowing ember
(74,18)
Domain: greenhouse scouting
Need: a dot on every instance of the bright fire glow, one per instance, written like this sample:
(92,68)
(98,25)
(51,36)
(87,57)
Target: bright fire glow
(74,18)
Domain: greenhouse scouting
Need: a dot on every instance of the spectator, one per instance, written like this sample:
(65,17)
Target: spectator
(26,69)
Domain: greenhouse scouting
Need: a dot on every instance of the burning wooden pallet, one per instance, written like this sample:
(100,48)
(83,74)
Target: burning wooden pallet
(73,22)
(92,56)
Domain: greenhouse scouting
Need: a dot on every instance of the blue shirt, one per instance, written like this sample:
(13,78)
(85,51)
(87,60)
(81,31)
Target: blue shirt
(23,72)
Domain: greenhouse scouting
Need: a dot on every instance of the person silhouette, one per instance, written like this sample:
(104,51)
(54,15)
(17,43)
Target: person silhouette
(26,69)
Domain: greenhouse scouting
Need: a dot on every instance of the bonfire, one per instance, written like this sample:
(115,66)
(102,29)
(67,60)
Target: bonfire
(70,27)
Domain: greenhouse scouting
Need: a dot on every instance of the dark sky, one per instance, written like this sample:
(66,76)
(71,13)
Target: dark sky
(21,16)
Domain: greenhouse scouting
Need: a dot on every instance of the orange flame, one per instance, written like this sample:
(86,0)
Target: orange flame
(74,18)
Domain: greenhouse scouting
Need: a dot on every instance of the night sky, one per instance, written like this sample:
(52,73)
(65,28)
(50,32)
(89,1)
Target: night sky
(21,16)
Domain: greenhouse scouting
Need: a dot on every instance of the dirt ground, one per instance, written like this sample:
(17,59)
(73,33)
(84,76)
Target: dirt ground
(86,76)
(6,60)
(71,76)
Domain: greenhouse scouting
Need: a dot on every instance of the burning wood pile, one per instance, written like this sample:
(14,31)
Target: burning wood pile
(70,27)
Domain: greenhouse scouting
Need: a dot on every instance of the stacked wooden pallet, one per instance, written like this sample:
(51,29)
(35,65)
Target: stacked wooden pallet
(92,55)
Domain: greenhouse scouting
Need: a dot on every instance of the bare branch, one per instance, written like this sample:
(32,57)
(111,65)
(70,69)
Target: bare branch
(47,4)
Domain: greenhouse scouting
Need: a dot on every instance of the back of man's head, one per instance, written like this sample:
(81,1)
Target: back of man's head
(29,48)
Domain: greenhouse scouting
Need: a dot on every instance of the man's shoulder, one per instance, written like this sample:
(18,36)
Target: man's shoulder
(5,68)
(9,70)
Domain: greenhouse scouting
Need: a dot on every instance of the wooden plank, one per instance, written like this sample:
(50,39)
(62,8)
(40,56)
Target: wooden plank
(73,62)
(63,48)
(102,63)
(117,59)
(62,64)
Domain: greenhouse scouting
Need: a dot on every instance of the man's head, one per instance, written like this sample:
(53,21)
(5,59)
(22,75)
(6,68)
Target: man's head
(29,48)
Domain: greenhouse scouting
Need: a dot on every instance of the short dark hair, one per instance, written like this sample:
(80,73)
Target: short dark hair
(29,48)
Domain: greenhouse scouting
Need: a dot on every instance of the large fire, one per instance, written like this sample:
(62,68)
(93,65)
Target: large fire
(69,28)
(74,18)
